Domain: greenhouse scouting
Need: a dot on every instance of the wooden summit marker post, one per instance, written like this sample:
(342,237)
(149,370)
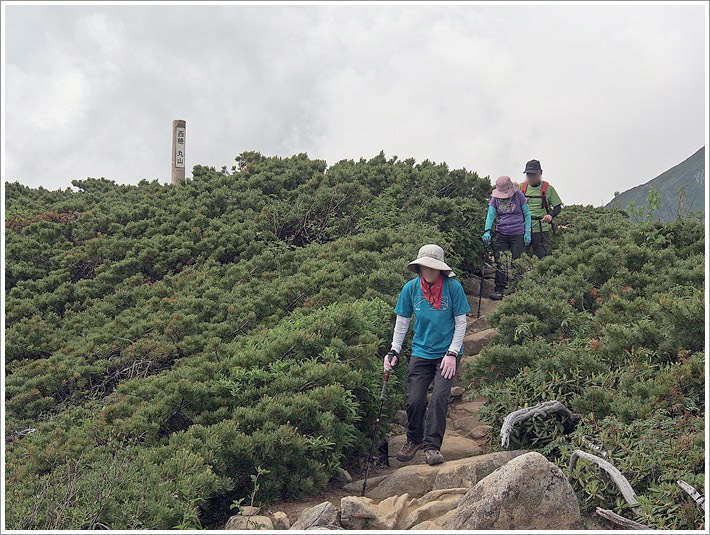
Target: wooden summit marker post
(177,170)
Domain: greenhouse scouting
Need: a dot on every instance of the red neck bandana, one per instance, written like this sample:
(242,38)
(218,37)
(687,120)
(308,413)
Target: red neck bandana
(432,292)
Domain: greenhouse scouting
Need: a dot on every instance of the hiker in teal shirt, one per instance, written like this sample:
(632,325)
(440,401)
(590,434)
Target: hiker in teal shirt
(439,305)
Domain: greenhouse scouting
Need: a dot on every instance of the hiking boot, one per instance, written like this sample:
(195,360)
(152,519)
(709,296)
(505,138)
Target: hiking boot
(496,296)
(408,451)
(433,457)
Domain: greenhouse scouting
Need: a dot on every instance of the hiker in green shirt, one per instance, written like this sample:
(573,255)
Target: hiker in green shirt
(544,203)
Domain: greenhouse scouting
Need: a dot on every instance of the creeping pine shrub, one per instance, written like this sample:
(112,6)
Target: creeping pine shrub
(611,325)
(205,331)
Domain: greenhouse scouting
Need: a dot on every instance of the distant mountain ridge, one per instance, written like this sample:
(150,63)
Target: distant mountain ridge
(690,172)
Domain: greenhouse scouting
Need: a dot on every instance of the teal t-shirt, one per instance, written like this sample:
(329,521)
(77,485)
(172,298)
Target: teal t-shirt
(433,329)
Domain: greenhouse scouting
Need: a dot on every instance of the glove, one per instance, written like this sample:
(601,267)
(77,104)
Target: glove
(527,238)
(486,237)
(391,359)
(448,366)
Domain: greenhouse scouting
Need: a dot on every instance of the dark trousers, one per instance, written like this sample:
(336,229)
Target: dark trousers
(540,243)
(514,244)
(427,425)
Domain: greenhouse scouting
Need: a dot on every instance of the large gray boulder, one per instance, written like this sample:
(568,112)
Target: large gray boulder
(528,492)
(323,514)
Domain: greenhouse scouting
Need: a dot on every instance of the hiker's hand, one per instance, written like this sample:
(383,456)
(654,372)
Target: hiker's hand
(486,237)
(390,360)
(547,218)
(527,238)
(448,367)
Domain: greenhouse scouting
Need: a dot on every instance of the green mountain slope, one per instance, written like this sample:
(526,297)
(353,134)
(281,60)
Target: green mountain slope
(690,172)
(163,344)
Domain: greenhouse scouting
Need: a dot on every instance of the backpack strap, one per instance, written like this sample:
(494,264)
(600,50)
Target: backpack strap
(451,299)
(543,192)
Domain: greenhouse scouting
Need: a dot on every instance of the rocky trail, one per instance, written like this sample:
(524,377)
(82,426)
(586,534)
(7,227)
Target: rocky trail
(414,495)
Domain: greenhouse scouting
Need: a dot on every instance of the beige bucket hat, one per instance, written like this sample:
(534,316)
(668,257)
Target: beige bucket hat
(432,256)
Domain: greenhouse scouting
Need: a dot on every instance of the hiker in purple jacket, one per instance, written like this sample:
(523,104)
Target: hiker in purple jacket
(509,208)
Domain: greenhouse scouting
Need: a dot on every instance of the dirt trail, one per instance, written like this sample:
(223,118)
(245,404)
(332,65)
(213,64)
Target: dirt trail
(458,441)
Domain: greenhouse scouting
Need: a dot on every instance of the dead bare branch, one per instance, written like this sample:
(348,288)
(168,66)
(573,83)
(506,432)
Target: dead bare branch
(542,410)
(621,482)
(619,520)
(699,498)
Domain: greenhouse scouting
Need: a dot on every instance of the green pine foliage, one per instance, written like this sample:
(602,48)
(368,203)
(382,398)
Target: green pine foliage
(612,325)
(166,343)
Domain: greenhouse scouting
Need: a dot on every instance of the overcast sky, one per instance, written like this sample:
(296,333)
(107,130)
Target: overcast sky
(607,97)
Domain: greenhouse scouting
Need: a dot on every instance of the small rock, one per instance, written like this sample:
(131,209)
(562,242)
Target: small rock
(240,522)
(249,510)
(473,343)
(480,431)
(363,513)
(280,520)
(401,418)
(344,476)
(457,391)
(321,515)
(396,429)
(467,408)
(466,424)
(325,528)
(477,324)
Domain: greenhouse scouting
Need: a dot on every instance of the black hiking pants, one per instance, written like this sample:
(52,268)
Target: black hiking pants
(427,424)
(540,243)
(514,244)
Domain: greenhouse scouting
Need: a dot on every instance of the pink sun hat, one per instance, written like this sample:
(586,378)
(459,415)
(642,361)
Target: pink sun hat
(505,188)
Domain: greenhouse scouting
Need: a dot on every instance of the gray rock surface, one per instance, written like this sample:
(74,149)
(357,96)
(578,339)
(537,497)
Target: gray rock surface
(280,520)
(418,479)
(243,522)
(528,492)
(474,342)
(320,515)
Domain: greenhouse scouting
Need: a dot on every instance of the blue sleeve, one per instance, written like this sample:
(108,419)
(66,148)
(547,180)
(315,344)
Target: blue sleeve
(491,216)
(528,219)
(458,297)
(404,303)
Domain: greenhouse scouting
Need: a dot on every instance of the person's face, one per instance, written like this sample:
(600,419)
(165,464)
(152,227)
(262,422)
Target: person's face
(534,178)
(430,275)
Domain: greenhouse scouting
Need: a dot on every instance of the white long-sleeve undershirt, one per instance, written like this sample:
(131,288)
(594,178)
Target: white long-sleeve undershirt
(402,326)
(400,331)
(459,333)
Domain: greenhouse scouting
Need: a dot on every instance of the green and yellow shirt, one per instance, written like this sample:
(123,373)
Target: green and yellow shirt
(535,204)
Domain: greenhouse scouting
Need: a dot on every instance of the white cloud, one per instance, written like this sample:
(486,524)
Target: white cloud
(606,97)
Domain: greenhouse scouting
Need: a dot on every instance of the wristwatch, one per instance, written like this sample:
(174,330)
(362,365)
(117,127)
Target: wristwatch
(451,354)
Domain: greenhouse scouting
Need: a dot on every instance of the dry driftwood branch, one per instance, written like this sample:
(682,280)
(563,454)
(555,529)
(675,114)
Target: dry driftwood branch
(543,409)
(699,498)
(624,486)
(620,520)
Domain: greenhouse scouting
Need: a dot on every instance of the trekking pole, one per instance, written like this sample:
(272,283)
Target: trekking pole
(483,272)
(377,425)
